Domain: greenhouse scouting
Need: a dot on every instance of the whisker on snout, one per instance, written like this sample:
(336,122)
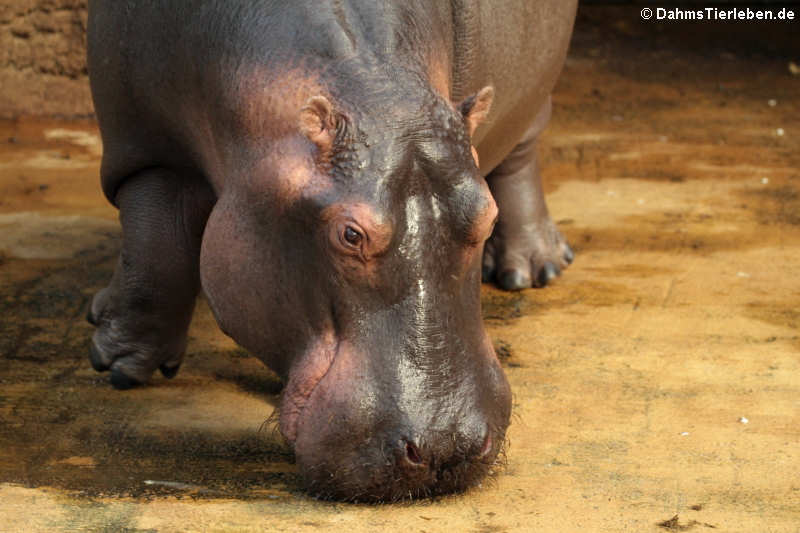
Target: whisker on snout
(273,421)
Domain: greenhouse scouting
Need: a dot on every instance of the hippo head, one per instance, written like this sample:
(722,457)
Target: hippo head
(355,259)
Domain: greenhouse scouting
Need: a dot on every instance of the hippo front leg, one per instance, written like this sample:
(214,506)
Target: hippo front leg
(525,249)
(143,315)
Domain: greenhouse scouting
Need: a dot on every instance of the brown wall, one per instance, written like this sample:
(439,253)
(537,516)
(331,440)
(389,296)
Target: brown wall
(42,58)
(43,42)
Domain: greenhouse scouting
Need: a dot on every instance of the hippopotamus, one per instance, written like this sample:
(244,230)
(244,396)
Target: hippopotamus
(337,177)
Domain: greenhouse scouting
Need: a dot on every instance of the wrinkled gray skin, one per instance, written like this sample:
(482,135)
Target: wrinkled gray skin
(309,165)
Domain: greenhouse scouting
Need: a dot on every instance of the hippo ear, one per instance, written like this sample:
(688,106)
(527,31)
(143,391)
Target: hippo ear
(318,122)
(475,108)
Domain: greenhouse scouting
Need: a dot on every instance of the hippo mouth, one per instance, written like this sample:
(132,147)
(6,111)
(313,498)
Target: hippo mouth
(353,442)
(304,378)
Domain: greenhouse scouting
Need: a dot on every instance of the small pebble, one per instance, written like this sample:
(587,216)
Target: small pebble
(743,420)
(743,274)
(779,132)
(684,434)
(764,181)
(772,102)
(640,201)
(794,70)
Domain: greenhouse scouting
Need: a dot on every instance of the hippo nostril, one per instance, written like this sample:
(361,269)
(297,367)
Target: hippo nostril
(413,455)
(486,449)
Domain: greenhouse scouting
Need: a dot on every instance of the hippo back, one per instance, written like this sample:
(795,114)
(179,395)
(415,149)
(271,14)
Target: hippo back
(518,46)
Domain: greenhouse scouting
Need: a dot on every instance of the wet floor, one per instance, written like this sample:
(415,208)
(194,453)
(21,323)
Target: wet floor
(655,385)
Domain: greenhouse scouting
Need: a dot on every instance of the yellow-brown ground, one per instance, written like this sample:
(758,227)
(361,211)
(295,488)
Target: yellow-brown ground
(657,384)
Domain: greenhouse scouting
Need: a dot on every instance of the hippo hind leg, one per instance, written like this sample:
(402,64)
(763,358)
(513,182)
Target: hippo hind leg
(526,249)
(142,317)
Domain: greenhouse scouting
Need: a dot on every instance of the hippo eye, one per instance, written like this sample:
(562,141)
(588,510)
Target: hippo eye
(352,236)
(349,238)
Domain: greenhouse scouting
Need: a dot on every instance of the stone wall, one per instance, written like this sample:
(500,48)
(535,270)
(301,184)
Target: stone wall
(43,48)
(42,58)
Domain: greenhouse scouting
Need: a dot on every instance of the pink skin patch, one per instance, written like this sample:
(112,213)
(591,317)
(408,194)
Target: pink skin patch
(475,156)
(303,379)
(377,233)
(290,171)
(484,222)
(372,233)
(488,349)
(480,231)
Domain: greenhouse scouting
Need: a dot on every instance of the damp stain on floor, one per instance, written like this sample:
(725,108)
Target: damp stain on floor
(655,384)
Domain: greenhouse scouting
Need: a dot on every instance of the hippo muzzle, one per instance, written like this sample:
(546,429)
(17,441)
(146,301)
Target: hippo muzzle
(398,423)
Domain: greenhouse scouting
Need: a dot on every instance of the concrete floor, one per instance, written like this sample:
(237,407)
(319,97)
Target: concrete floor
(656,384)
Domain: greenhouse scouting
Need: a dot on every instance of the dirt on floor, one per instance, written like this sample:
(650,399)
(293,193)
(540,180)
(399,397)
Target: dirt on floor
(656,384)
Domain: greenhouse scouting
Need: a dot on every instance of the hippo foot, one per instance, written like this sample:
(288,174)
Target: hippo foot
(131,347)
(529,256)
